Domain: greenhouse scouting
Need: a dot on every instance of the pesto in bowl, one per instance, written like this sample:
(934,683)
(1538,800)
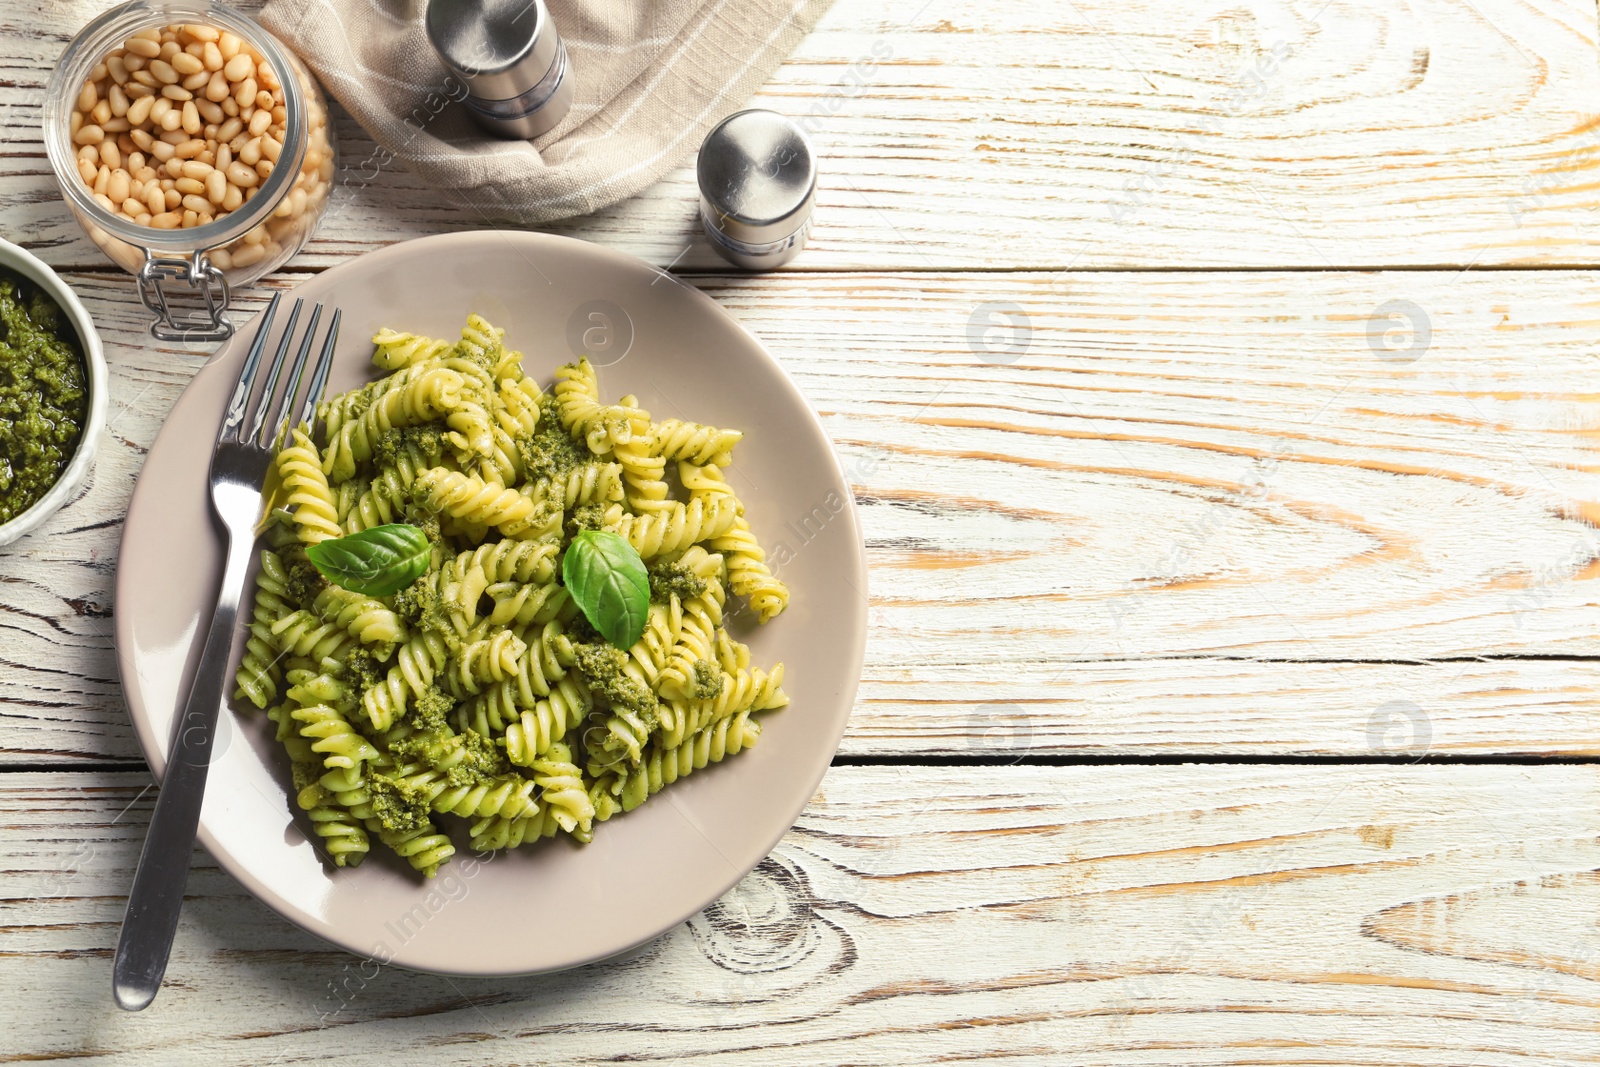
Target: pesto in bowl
(44,393)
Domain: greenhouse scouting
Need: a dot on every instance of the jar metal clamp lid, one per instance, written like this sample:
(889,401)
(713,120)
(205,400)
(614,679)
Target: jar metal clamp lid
(511,58)
(758,182)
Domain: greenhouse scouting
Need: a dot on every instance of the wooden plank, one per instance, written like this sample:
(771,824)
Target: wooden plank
(1090,915)
(1105,542)
(970,133)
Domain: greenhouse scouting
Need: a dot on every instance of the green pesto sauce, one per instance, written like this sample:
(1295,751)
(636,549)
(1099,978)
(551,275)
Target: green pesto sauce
(305,582)
(707,681)
(400,808)
(585,517)
(44,394)
(601,666)
(674,579)
(472,758)
(362,669)
(550,452)
(423,445)
(419,604)
(431,709)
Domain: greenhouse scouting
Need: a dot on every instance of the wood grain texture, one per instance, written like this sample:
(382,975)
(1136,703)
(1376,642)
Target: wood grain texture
(1003,133)
(1182,915)
(1109,537)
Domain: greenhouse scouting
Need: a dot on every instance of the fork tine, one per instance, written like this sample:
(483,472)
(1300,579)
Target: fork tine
(247,374)
(265,403)
(319,377)
(294,378)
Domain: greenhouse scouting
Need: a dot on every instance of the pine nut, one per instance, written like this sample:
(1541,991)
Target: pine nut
(140,109)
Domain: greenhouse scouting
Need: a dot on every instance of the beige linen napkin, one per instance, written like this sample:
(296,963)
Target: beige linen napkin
(651,79)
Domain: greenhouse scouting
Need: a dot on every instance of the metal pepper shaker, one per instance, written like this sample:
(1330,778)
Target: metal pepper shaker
(511,58)
(758,181)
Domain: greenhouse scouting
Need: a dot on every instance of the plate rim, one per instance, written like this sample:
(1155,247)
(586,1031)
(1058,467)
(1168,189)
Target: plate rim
(152,746)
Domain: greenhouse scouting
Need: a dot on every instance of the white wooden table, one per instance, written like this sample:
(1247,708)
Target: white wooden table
(1229,697)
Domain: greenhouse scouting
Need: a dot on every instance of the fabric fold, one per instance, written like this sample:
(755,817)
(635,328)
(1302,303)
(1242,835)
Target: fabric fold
(650,82)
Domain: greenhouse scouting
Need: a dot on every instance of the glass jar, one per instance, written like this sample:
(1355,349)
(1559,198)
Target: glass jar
(274,214)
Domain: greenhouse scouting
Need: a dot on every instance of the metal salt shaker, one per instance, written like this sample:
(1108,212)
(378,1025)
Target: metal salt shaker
(758,181)
(511,58)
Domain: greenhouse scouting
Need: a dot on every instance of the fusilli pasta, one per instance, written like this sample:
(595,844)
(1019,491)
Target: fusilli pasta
(481,691)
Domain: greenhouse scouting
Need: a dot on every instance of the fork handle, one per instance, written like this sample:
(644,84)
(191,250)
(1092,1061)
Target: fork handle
(157,893)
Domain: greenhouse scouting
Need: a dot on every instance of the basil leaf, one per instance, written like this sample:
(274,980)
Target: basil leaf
(375,562)
(607,578)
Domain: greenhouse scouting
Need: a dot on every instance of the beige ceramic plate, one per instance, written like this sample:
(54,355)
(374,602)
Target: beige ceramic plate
(553,905)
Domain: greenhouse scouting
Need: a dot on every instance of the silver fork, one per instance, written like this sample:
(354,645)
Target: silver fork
(238,470)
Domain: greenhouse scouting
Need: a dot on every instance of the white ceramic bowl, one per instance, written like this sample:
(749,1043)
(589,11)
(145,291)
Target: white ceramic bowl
(31,267)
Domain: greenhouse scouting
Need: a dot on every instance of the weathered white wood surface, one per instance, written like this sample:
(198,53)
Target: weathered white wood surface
(1171,466)
(1135,514)
(1092,915)
(1100,133)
